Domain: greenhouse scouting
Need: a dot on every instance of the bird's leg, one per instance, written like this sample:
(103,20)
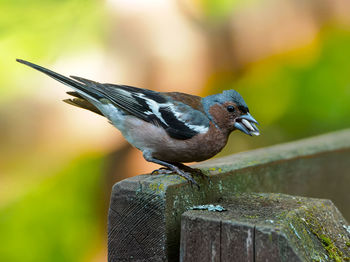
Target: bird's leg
(172,167)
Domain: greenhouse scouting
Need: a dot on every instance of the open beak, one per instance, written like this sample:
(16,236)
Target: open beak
(246,124)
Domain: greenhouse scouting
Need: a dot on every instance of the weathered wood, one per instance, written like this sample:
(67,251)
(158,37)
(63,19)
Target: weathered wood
(136,224)
(265,227)
(202,241)
(207,238)
(145,211)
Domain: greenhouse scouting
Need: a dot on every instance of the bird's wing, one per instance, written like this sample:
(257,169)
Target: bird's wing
(181,115)
(168,110)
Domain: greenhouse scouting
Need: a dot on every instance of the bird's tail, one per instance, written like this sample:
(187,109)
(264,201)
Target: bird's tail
(81,88)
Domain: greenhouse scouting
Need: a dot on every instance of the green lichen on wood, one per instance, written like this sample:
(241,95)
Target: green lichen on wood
(157,187)
(315,225)
(333,251)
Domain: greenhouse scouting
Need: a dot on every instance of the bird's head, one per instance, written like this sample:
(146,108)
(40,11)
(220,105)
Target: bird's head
(229,111)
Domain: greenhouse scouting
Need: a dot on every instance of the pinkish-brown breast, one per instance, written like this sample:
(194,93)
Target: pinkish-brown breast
(199,148)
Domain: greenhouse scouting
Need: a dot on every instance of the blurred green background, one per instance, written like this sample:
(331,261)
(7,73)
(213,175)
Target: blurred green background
(289,59)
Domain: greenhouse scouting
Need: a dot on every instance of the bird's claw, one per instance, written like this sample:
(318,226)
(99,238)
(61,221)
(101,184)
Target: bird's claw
(187,176)
(162,171)
(178,171)
(200,173)
(195,171)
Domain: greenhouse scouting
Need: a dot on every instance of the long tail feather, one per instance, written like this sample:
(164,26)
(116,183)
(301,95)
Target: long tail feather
(81,88)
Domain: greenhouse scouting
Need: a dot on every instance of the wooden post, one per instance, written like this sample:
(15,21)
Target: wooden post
(265,227)
(145,211)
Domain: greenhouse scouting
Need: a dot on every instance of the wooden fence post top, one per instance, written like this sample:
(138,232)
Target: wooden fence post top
(145,211)
(266,227)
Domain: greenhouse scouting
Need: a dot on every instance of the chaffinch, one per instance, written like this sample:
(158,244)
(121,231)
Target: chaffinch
(170,128)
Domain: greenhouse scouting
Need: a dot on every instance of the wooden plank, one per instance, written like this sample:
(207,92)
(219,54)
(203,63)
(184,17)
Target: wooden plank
(203,241)
(145,211)
(265,227)
(237,241)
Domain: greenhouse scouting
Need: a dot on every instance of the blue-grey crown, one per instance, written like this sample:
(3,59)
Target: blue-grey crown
(234,96)
(225,96)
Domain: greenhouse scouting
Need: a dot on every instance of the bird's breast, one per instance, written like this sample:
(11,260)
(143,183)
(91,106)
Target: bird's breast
(147,136)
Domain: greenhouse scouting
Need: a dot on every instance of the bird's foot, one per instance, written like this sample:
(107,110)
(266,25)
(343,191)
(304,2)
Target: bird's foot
(187,175)
(169,168)
(178,171)
(194,171)
(162,171)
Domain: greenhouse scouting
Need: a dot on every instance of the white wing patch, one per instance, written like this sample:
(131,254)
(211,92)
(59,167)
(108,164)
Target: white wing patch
(154,106)
(178,115)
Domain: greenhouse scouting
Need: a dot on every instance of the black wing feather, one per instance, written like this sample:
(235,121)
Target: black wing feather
(176,128)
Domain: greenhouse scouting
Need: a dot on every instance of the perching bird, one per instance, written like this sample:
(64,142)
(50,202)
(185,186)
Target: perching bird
(170,128)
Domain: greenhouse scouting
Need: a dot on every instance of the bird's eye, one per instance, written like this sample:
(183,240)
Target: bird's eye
(230,109)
